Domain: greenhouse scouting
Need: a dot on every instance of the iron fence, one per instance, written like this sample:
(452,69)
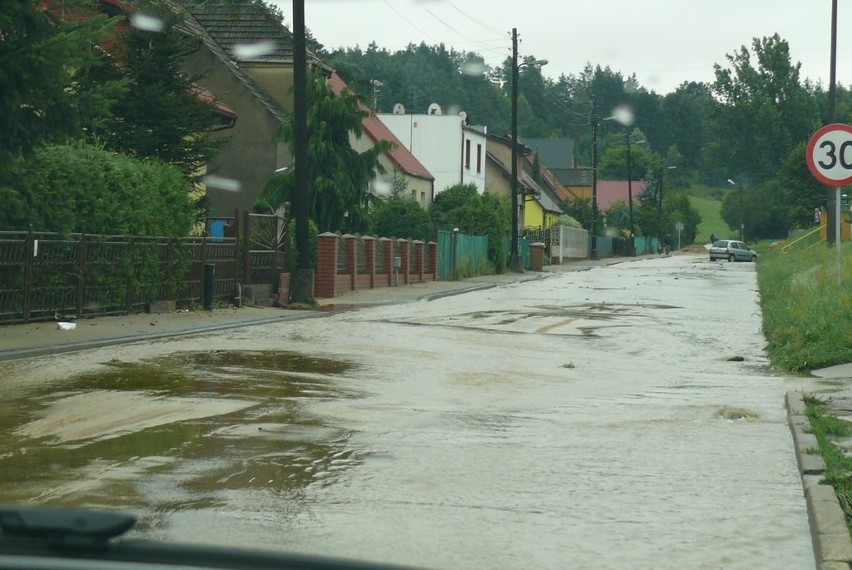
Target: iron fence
(45,275)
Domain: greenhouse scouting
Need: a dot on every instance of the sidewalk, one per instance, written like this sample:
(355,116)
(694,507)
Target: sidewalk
(43,338)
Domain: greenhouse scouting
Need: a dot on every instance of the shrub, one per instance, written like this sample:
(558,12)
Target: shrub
(78,188)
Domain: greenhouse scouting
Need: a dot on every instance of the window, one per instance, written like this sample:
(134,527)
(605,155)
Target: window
(478,158)
(467,154)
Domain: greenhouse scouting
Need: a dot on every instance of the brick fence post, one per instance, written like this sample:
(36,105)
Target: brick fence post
(370,258)
(324,285)
(351,258)
(418,260)
(387,248)
(404,253)
(433,259)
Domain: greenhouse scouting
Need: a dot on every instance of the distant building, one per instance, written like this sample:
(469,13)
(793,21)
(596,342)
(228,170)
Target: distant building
(440,142)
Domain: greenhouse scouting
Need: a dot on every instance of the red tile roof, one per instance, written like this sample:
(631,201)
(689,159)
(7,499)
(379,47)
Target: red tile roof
(610,191)
(377,131)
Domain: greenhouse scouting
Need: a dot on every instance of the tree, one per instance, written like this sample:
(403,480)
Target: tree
(40,55)
(461,207)
(402,218)
(800,191)
(762,112)
(161,114)
(339,176)
(613,162)
(677,208)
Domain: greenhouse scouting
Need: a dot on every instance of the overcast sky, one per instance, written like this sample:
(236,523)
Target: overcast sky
(664,42)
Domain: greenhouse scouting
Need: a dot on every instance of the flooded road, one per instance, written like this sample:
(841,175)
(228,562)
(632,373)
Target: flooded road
(620,417)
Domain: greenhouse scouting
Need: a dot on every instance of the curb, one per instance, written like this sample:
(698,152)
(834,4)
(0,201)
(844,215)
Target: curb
(114,341)
(830,536)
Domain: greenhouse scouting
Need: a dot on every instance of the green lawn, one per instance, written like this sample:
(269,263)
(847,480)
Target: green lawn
(711,219)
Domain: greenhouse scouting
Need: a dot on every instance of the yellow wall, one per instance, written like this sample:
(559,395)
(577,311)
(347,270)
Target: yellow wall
(845,226)
(536,216)
(533,214)
(276,79)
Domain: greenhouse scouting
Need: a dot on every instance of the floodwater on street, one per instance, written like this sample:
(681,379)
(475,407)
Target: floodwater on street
(618,417)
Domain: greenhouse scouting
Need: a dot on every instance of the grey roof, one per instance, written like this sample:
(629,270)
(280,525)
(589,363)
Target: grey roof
(554,153)
(573,176)
(232,25)
(194,27)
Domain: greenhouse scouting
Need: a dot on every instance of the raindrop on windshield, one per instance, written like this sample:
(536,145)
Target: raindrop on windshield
(222,183)
(146,23)
(253,50)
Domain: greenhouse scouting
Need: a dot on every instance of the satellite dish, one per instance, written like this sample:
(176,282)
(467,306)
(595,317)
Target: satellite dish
(398,109)
(434,109)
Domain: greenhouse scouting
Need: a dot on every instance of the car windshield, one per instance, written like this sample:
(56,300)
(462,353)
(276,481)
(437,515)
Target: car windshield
(377,282)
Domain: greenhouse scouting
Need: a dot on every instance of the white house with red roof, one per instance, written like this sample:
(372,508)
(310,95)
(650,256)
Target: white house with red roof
(442,144)
(403,171)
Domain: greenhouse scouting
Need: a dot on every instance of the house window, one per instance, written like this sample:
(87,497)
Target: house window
(478,158)
(467,154)
(423,199)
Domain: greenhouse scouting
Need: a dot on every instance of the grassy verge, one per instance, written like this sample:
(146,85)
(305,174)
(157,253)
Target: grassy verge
(806,298)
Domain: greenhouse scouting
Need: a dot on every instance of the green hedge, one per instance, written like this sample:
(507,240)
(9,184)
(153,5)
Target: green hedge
(79,188)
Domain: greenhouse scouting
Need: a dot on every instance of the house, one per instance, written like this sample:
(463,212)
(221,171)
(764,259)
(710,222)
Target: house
(556,154)
(436,140)
(577,181)
(540,202)
(402,169)
(474,156)
(542,209)
(611,191)
(244,58)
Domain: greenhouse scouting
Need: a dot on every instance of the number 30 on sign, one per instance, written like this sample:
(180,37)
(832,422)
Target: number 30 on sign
(829,154)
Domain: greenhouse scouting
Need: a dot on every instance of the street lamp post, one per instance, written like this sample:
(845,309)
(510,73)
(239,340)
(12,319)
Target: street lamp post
(660,202)
(630,191)
(515,263)
(740,208)
(593,253)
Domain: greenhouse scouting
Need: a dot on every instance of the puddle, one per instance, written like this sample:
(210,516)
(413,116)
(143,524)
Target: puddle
(201,423)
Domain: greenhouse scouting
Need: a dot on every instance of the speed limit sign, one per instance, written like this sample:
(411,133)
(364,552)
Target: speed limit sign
(829,154)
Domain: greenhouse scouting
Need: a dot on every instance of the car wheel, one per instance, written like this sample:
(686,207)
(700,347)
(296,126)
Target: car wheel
(753,258)
(730,258)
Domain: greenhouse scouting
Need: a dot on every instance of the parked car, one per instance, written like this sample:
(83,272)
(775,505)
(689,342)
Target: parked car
(732,251)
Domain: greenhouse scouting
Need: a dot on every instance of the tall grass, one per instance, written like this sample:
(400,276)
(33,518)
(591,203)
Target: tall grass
(806,297)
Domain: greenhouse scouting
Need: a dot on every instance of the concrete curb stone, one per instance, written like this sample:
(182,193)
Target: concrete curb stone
(830,536)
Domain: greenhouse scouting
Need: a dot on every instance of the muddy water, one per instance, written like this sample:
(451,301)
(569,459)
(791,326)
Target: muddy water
(588,420)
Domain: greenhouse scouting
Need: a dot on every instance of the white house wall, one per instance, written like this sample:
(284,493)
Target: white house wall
(473,158)
(436,141)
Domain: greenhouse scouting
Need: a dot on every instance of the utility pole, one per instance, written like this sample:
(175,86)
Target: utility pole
(302,290)
(515,263)
(593,230)
(631,242)
(832,193)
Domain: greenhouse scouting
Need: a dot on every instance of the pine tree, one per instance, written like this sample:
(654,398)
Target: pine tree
(161,114)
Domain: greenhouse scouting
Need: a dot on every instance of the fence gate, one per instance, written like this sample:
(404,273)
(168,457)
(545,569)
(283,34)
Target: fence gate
(266,247)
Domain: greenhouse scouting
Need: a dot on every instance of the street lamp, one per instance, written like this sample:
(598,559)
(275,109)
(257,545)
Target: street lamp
(660,202)
(515,263)
(630,190)
(742,221)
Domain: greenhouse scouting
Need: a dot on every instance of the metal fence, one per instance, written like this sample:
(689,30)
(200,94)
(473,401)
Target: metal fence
(460,254)
(44,275)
